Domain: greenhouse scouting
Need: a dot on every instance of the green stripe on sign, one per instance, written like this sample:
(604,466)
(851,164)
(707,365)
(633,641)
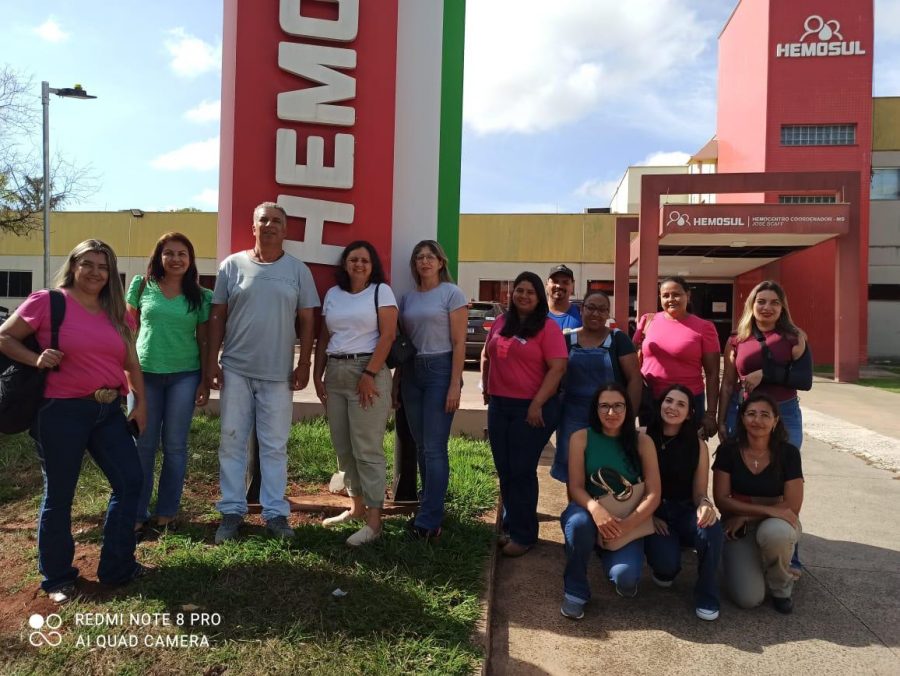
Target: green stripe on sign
(454,35)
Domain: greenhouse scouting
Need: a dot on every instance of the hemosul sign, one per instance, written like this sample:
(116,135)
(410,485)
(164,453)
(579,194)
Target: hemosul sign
(345,112)
(820,38)
(754,218)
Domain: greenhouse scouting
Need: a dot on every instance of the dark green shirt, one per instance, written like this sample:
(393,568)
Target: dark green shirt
(604,451)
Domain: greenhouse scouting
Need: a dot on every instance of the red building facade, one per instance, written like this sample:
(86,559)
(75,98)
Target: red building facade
(795,95)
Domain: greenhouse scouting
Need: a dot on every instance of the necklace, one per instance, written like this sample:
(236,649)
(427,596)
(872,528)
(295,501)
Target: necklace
(754,459)
(664,441)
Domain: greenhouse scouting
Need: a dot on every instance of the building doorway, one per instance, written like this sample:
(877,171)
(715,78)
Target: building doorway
(714,301)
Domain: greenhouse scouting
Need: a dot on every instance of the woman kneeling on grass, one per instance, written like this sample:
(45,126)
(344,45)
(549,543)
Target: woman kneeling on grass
(611,444)
(758,485)
(685,516)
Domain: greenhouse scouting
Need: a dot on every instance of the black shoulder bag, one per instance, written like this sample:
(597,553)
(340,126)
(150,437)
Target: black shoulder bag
(797,374)
(402,349)
(22,385)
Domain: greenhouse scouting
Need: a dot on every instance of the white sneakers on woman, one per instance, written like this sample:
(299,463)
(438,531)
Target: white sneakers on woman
(363,536)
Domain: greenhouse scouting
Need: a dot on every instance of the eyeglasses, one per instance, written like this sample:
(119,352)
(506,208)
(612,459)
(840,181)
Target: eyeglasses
(595,309)
(762,415)
(422,257)
(616,409)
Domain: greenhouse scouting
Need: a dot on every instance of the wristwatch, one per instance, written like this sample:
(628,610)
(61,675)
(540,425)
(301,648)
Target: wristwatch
(367,372)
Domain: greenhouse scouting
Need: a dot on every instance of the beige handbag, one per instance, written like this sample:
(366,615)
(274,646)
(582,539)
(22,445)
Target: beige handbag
(621,505)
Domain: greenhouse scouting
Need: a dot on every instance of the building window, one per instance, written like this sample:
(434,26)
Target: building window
(884,292)
(885,183)
(818,134)
(15,283)
(806,199)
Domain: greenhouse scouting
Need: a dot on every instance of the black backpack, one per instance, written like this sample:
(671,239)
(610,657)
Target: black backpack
(21,385)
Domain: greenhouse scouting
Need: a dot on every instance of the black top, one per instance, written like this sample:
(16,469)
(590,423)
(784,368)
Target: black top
(767,484)
(677,465)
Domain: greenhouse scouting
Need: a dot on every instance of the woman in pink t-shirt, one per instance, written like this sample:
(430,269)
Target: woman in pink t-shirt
(523,360)
(677,348)
(87,380)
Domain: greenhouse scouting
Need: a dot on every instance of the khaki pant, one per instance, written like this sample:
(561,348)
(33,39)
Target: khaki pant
(357,433)
(760,560)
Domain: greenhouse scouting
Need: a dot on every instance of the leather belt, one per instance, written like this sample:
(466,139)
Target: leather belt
(103,395)
(358,355)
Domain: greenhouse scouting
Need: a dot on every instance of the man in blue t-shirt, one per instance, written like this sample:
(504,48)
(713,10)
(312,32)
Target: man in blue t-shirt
(560,285)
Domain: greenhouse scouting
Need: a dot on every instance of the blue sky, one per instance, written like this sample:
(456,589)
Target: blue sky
(560,97)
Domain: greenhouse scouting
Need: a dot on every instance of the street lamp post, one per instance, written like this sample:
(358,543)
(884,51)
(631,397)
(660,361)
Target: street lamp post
(76,92)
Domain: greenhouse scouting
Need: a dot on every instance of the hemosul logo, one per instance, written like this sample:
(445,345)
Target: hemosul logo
(820,38)
(681,220)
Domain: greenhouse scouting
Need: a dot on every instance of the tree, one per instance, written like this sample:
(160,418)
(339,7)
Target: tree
(21,173)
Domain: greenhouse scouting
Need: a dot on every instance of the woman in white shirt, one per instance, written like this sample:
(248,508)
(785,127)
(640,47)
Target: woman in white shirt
(360,323)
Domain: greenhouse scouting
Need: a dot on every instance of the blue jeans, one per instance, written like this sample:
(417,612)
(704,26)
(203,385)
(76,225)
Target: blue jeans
(574,417)
(517,447)
(62,430)
(267,404)
(622,567)
(788,410)
(170,407)
(664,551)
(424,388)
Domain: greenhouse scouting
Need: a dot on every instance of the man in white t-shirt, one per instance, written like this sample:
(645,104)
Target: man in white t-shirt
(259,294)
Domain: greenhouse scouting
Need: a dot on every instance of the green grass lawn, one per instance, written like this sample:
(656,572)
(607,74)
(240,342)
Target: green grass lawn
(410,607)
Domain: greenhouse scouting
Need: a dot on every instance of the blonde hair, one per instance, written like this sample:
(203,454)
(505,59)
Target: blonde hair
(112,295)
(747,323)
(444,273)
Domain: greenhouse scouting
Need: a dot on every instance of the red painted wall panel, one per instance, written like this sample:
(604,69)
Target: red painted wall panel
(806,90)
(743,92)
(252,80)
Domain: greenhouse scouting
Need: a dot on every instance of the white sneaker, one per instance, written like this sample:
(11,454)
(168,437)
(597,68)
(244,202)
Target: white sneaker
(665,584)
(363,536)
(343,517)
(707,614)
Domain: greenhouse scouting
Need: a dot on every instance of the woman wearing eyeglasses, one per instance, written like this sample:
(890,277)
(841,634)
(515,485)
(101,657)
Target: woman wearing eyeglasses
(434,315)
(610,443)
(598,355)
(685,516)
(758,486)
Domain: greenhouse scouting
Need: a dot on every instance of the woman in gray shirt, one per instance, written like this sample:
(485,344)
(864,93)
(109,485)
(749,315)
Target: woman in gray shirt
(434,316)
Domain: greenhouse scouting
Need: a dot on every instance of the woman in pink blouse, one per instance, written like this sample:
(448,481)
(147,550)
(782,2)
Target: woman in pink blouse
(676,347)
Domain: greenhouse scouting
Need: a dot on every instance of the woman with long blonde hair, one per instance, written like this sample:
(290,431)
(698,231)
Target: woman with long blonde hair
(88,376)
(764,355)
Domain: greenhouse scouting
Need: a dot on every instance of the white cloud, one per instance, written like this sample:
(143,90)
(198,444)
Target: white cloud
(532,66)
(887,20)
(205,111)
(191,56)
(598,189)
(197,156)
(207,198)
(51,31)
(665,159)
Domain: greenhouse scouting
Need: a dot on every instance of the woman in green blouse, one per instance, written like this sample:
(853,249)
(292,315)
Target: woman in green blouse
(171,309)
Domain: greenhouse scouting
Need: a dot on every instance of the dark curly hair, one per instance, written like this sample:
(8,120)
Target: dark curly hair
(533,324)
(341,275)
(687,434)
(629,434)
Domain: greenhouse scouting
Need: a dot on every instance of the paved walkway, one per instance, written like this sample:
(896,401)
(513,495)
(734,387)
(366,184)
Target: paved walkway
(847,605)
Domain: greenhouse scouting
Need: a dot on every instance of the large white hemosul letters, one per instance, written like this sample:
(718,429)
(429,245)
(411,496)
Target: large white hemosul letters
(343,29)
(316,212)
(314,105)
